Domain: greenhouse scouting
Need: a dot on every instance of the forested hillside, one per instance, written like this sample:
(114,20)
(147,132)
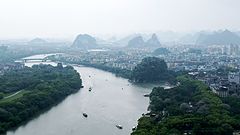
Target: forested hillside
(190,108)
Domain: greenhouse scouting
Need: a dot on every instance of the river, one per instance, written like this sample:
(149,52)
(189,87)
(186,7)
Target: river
(113,100)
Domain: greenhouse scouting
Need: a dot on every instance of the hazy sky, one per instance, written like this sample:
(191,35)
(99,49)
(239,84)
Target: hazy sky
(67,18)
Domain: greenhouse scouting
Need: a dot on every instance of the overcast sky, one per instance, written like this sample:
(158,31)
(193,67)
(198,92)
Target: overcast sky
(67,18)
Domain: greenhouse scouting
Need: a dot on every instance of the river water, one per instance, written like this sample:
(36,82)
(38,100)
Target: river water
(113,100)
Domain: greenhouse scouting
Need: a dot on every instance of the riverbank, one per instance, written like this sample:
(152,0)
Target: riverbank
(190,108)
(149,70)
(125,73)
(115,100)
(44,86)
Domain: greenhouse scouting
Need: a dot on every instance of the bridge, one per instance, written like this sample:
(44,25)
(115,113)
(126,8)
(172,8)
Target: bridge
(34,59)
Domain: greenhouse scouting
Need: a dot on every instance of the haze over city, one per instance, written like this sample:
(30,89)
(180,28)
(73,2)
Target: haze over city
(119,67)
(67,18)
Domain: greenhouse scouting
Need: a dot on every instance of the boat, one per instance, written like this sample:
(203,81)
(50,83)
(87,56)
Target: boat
(119,126)
(85,115)
(134,128)
(153,114)
(90,89)
(146,95)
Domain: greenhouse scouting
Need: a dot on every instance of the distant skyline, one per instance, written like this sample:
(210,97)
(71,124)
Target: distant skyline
(67,18)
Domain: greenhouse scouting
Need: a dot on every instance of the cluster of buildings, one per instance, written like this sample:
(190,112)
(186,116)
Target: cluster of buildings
(223,85)
(203,63)
(123,59)
(4,67)
(217,66)
(205,59)
(232,49)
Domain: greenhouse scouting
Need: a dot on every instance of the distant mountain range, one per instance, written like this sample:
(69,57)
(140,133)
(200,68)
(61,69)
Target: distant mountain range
(200,38)
(153,41)
(226,37)
(85,41)
(218,38)
(124,41)
(138,41)
(37,41)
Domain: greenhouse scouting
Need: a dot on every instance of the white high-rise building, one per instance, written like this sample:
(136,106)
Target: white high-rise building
(234,49)
(234,77)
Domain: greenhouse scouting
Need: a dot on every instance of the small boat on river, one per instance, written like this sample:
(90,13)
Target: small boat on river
(85,115)
(134,128)
(146,95)
(119,126)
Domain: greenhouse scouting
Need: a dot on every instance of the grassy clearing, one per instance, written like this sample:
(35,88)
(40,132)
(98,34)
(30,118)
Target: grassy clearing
(16,95)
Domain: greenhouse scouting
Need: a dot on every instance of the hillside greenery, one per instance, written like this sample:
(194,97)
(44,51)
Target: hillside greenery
(152,69)
(189,108)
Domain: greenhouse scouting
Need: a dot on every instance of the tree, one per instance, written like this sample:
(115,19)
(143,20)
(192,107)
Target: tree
(42,86)
(151,69)
(1,95)
(190,107)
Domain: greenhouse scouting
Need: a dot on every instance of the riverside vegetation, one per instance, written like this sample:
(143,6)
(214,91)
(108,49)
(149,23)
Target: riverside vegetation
(149,70)
(189,108)
(28,91)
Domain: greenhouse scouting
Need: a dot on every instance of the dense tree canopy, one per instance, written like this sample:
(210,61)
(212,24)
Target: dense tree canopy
(34,90)
(152,69)
(190,108)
